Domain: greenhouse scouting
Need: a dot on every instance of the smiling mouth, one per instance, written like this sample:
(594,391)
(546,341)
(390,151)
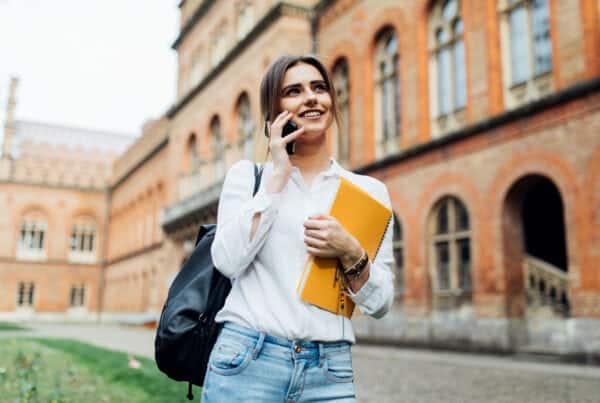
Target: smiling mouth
(311,115)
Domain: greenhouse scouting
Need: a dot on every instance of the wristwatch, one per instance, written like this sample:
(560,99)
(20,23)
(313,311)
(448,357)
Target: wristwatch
(357,268)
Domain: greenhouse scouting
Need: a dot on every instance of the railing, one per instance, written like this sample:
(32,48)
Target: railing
(82,257)
(546,285)
(31,254)
(199,199)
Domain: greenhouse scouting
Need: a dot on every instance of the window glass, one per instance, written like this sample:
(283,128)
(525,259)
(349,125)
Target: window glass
(246,127)
(194,157)
(444,81)
(77,295)
(462,217)
(442,218)
(443,260)
(464,264)
(518,42)
(218,148)
(398,255)
(25,293)
(542,47)
(450,9)
(460,79)
(388,90)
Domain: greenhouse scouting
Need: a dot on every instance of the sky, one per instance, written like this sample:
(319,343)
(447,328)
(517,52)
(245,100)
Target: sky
(98,64)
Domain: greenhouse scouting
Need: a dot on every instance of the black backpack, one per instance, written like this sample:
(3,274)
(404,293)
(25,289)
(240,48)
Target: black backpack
(187,330)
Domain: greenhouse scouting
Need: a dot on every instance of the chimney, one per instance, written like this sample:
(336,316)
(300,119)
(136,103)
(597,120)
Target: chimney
(9,122)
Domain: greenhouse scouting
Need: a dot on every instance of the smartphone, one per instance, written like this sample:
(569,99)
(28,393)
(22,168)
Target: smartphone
(289,128)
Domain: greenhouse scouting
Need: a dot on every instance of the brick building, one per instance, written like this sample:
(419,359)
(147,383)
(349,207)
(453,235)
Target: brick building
(482,117)
(53,182)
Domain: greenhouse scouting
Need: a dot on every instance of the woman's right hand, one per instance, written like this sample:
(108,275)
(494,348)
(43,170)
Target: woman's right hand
(277,144)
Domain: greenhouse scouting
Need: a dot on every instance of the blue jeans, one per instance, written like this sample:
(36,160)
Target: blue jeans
(250,366)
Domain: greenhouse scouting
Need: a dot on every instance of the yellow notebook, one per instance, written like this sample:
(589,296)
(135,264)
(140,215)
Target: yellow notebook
(367,220)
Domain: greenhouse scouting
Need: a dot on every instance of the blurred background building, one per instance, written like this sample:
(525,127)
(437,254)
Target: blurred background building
(481,116)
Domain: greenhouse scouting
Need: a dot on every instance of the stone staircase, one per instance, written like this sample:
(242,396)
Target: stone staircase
(546,289)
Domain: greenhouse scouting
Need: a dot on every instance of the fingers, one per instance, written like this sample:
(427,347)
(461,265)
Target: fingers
(314,234)
(293,136)
(283,116)
(315,224)
(315,243)
(276,127)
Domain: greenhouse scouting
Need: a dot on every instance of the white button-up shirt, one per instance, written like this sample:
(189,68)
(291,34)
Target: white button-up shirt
(265,271)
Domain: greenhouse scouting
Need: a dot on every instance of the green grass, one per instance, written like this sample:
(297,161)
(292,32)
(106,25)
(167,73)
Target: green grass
(11,326)
(61,371)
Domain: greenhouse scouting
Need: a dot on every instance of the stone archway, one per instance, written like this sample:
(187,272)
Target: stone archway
(535,257)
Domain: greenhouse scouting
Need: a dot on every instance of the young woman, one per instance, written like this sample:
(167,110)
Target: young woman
(274,347)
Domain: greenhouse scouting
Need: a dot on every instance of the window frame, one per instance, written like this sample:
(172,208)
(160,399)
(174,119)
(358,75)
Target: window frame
(25,291)
(245,18)
(32,237)
(84,236)
(78,296)
(246,127)
(342,139)
(454,295)
(443,121)
(386,144)
(218,147)
(536,85)
(398,245)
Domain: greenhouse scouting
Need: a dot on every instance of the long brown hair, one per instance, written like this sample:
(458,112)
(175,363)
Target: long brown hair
(270,86)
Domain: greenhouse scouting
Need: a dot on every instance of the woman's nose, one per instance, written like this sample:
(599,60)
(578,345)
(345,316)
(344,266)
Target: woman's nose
(311,97)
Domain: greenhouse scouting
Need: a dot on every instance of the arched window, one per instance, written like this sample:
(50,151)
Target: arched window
(193,155)
(218,147)
(526,49)
(245,18)
(218,46)
(197,68)
(341,82)
(450,251)
(387,97)
(398,243)
(83,240)
(447,65)
(245,127)
(32,237)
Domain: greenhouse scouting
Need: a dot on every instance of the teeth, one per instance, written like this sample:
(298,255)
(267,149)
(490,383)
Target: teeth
(312,114)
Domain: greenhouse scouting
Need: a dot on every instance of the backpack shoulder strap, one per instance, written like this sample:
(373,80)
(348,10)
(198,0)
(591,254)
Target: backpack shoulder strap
(257,177)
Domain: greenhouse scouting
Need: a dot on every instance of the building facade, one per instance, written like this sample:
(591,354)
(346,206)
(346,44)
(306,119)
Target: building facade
(482,118)
(53,182)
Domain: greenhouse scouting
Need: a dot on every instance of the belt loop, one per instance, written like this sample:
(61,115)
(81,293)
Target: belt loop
(259,345)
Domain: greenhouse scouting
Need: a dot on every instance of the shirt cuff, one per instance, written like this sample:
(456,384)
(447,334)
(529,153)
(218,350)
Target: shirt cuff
(366,290)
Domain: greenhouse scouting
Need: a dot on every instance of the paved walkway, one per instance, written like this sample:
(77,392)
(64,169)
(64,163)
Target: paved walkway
(385,374)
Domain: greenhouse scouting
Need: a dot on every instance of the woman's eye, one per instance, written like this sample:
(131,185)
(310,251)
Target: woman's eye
(320,87)
(291,91)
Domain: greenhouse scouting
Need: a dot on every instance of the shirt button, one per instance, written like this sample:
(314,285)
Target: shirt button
(297,348)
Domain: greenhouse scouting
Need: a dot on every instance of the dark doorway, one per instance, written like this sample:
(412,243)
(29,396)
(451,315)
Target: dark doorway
(543,222)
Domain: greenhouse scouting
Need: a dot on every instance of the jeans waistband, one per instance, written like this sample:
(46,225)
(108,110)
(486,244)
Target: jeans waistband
(305,346)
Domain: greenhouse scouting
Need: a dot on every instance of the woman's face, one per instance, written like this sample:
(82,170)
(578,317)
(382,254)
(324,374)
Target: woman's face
(305,94)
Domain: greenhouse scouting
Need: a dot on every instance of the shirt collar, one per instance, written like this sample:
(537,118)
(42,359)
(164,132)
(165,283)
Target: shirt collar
(334,169)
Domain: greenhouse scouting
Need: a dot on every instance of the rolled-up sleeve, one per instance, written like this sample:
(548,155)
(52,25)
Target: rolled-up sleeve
(376,296)
(232,250)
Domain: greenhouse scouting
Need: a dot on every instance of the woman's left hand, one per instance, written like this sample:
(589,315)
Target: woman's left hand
(324,236)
